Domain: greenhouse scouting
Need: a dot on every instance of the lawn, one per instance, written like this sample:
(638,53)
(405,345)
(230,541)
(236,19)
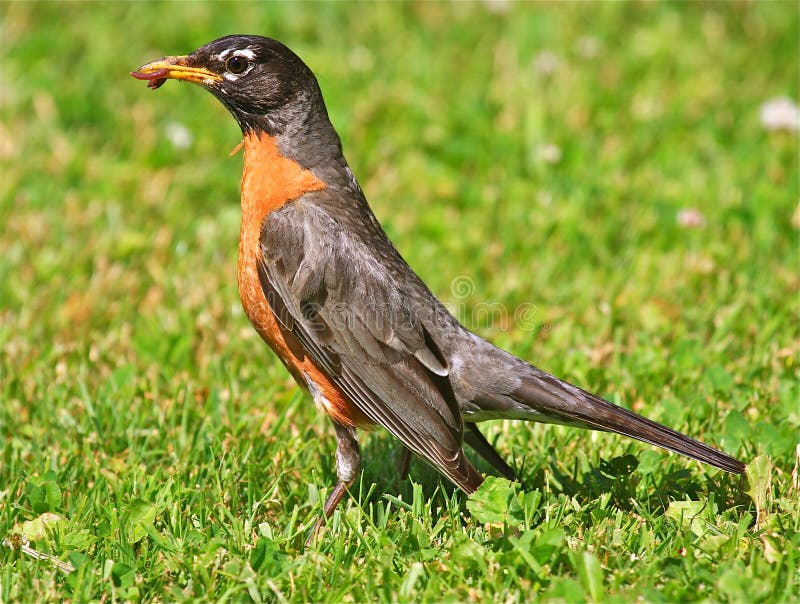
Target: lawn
(590,186)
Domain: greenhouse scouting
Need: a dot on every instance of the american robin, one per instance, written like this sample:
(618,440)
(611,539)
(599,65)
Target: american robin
(353,323)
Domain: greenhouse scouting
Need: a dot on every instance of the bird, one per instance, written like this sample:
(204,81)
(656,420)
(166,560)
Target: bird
(355,326)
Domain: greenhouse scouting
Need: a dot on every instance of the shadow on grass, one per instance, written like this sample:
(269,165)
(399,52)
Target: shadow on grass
(616,477)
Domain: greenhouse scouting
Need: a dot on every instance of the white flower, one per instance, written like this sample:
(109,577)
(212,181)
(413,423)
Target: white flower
(497,6)
(780,114)
(546,63)
(588,47)
(549,153)
(179,135)
(690,218)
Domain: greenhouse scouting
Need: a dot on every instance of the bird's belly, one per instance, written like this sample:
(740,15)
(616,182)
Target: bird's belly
(325,393)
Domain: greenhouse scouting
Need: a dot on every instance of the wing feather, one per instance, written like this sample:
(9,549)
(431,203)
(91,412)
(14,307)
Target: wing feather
(358,325)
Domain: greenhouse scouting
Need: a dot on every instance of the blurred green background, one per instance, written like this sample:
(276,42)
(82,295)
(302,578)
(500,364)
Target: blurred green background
(601,170)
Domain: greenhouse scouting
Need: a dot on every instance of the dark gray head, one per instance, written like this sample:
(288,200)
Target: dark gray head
(261,82)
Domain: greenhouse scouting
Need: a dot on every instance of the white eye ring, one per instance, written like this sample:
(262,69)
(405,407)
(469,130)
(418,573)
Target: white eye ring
(237,63)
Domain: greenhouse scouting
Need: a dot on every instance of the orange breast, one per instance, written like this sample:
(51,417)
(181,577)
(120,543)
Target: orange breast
(270,180)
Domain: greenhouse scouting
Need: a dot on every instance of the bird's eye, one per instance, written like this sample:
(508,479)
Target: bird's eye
(236,64)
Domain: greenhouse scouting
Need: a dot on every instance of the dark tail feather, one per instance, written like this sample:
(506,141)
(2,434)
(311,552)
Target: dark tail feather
(475,439)
(549,396)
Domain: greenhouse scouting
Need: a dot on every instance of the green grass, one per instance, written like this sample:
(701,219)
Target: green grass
(181,461)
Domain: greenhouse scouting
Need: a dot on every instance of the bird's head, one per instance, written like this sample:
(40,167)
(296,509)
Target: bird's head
(261,82)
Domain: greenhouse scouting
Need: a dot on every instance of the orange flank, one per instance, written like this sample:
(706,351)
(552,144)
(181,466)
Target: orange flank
(269,181)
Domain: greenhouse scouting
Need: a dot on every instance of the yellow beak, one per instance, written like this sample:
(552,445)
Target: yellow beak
(174,68)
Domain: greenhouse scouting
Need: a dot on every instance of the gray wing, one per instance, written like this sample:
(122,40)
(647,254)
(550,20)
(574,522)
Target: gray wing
(359,313)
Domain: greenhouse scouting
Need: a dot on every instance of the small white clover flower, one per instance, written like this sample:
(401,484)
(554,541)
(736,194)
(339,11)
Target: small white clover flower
(546,63)
(179,135)
(780,114)
(549,153)
(690,218)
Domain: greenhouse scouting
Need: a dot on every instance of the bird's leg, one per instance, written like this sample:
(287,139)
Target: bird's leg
(348,463)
